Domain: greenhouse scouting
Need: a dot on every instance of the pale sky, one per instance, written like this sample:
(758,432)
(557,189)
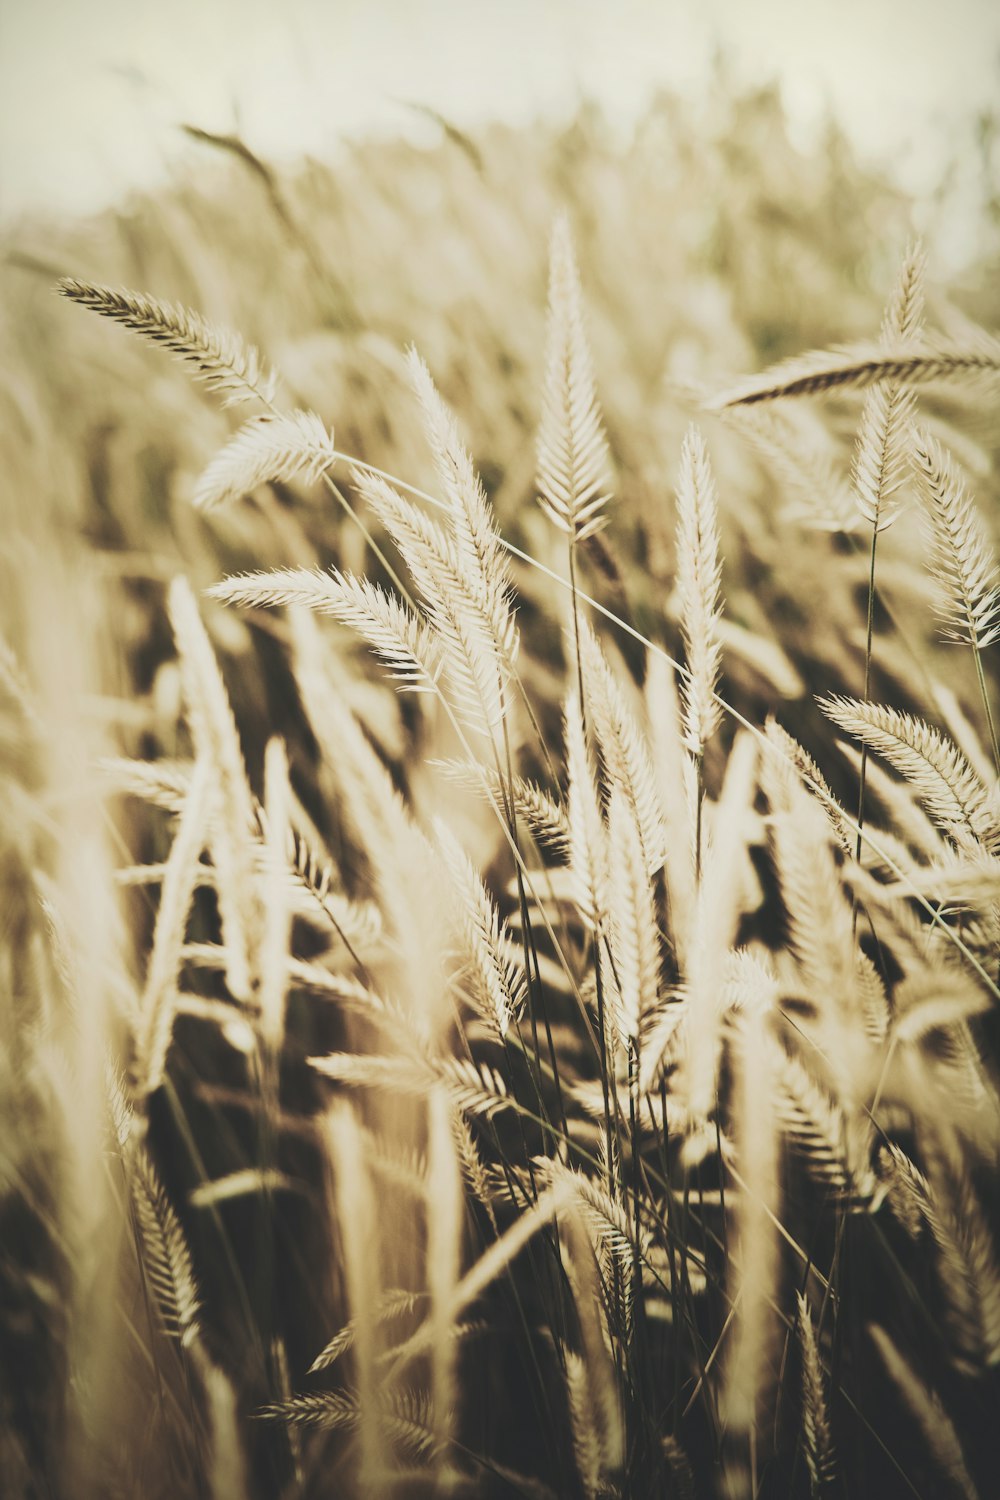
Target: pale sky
(91,91)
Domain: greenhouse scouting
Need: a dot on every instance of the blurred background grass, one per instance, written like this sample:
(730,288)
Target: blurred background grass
(705,251)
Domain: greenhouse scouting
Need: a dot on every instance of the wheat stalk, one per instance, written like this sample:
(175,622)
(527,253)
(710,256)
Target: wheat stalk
(277,931)
(753,1272)
(714,922)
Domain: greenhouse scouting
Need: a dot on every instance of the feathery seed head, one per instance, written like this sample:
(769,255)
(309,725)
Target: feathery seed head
(856,366)
(587,841)
(220,357)
(880,465)
(574,479)
(268,448)
(699,580)
(964,559)
(497,973)
(904,313)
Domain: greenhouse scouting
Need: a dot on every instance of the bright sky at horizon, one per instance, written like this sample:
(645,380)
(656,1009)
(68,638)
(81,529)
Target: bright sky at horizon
(92,91)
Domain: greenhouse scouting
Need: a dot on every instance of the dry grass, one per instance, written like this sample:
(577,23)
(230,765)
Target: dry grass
(525,1068)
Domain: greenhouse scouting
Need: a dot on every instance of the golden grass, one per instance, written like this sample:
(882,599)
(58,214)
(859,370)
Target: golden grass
(539,1082)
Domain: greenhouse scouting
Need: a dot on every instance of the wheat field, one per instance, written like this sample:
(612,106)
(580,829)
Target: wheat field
(501,828)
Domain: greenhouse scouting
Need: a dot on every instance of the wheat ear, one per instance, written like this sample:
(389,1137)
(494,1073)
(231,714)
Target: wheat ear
(481,556)
(544,817)
(963,556)
(881,454)
(271,447)
(497,972)
(403,1415)
(967,1264)
(583,1424)
(609,1229)
(699,584)
(623,748)
(671,764)
(474,1088)
(817,1437)
(220,357)
(467,611)
(942,778)
(816,1126)
(574,480)
(797,448)
(812,777)
(397,637)
(632,929)
(394,1303)
(603,1403)
(859,365)
(820,928)
(166,1258)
